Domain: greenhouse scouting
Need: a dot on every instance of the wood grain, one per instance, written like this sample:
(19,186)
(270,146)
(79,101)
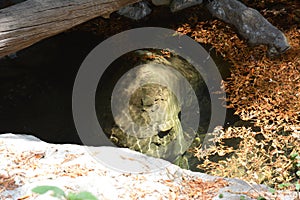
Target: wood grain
(26,23)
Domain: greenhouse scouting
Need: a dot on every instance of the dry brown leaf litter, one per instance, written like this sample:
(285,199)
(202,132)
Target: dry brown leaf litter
(195,188)
(19,163)
(263,90)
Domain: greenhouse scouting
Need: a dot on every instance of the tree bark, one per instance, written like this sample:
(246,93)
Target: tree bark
(26,23)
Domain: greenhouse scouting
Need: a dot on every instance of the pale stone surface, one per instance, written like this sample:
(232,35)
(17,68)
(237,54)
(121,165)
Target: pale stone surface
(106,172)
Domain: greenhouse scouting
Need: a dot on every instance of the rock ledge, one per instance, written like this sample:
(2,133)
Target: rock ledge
(108,173)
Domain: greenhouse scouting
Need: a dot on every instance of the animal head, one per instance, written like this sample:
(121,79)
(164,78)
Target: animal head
(279,46)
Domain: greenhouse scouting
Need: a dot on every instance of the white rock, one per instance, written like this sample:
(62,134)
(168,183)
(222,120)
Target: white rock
(107,172)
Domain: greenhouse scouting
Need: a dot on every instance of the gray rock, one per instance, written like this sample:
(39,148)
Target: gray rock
(161,2)
(177,5)
(106,172)
(136,11)
(250,24)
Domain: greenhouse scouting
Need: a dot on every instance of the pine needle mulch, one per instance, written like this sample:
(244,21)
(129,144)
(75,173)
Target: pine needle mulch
(262,90)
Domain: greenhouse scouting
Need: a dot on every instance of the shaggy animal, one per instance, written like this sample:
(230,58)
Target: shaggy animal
(147,103)
(250,24)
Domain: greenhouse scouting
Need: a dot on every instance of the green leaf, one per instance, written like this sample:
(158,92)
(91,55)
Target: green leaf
(284,185)
(298,164)
(71,196)
(293,156)
(81,196)
(57,192)
(261,198)
(221,196)
(242,197)
(297,185)
(298,173)
(272,190)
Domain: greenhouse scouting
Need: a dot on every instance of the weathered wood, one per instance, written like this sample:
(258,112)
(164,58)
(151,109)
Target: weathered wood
(26,23)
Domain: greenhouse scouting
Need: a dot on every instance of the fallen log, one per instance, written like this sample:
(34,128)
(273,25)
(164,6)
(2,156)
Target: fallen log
(28,22)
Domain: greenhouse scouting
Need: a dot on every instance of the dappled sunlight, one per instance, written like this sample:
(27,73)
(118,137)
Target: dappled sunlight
(264,91)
